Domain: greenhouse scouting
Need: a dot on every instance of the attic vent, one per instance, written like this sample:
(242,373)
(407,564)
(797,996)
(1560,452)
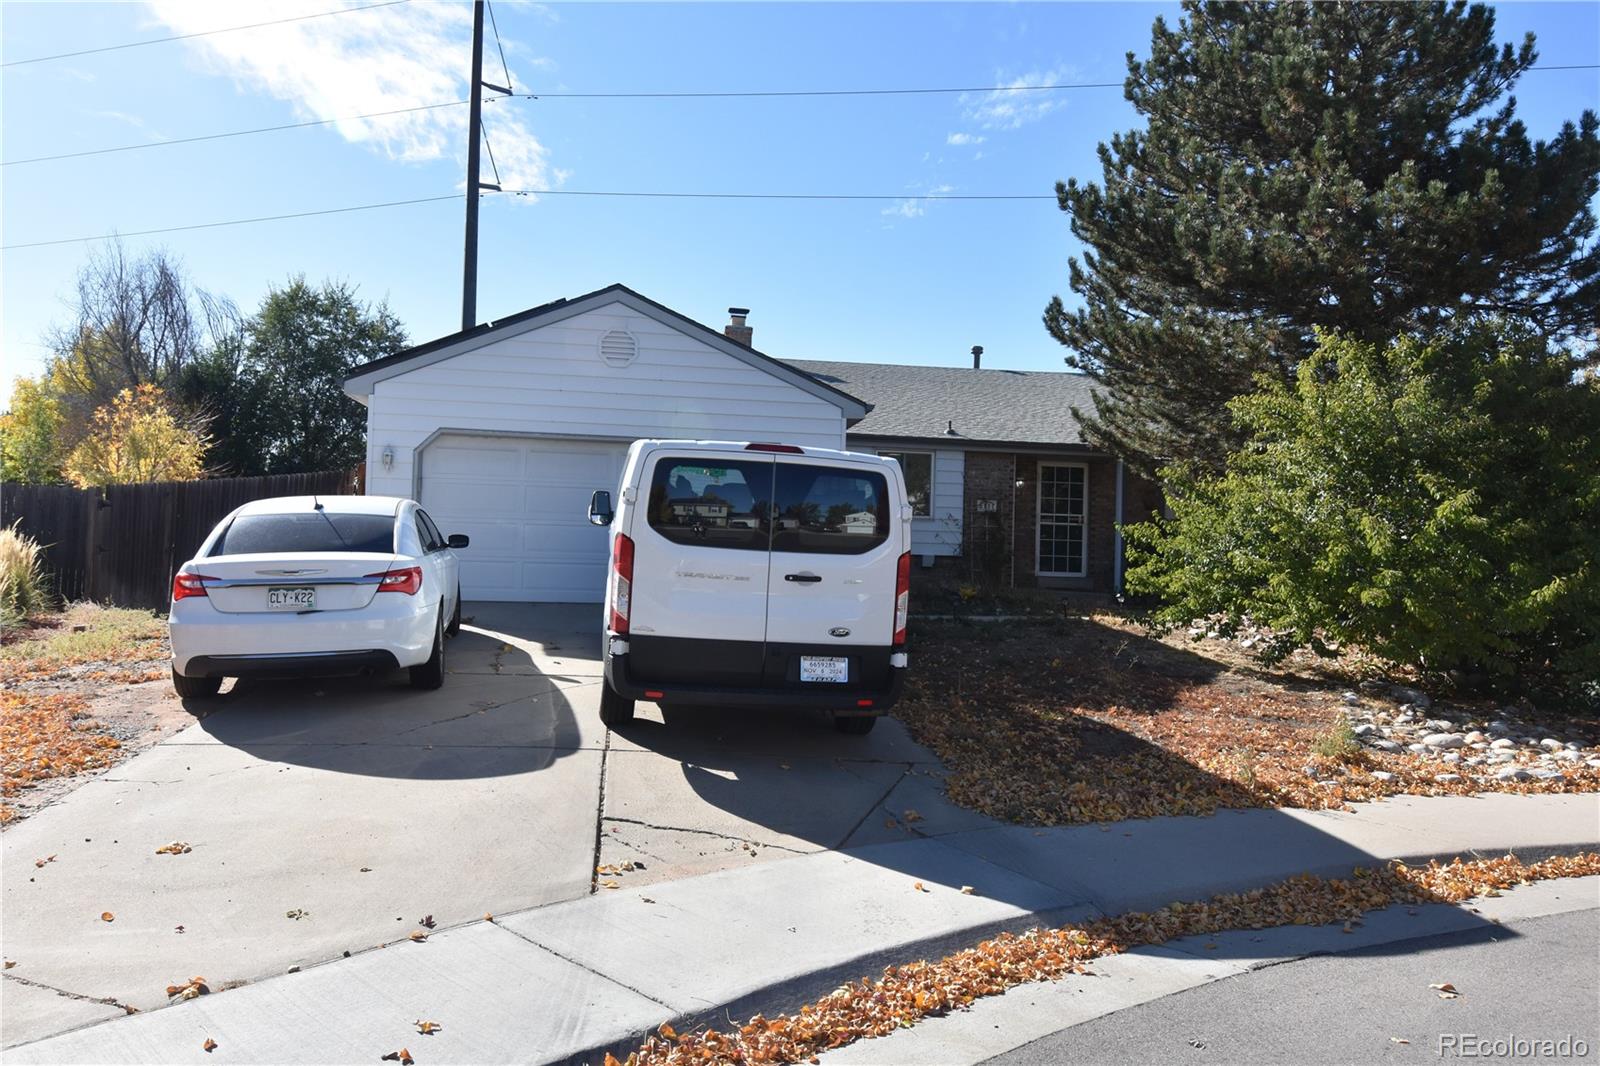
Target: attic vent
(618,348)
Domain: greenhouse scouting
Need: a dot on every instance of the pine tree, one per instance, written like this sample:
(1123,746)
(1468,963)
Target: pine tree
(1352,166)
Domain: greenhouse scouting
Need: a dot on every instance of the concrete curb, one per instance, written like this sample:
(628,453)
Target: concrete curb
(570,981)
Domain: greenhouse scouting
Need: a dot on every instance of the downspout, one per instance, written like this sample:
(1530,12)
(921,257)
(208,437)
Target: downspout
(1013,532)
(1116,565)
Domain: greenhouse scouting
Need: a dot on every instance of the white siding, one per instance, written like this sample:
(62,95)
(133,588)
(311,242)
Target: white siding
(551,381)
(940,532)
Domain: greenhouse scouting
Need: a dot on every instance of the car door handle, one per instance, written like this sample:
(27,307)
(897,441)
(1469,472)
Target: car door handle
(807,579)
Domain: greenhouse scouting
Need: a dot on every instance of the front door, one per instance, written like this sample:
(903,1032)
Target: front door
(1063,519)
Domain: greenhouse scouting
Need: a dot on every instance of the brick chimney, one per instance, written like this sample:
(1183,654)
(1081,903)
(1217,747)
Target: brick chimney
(736,330)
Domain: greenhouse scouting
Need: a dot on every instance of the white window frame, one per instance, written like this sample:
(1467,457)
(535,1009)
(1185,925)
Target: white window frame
(933,465)
(1038,522)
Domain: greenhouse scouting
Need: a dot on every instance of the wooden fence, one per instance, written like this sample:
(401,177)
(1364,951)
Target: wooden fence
(123,543)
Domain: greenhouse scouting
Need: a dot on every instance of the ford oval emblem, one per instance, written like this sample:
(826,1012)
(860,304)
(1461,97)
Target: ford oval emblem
(839,631)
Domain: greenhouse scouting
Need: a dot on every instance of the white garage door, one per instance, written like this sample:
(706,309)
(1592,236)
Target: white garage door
(524,502)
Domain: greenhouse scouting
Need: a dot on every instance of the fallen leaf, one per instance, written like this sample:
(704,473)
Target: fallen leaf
(177,929)
(427,921)
(10,963)
(403,1057)
(911,815)
(488,917)
(177,847)
(784,766)
(195,986)
(646,899)
(107,916)
(427,1028)
(918,887)
(366,869)
(609,884)
(1398,1040)
(1446,990)
(967,890)
(667,1031)
(297,914)
(209,1046)
(419,935)
(46,859)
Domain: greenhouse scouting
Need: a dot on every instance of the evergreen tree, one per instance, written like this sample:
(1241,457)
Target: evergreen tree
(1353,166)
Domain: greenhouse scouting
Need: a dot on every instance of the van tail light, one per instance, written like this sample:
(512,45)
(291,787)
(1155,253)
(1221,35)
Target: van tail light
(902,599)
(764,446)
(187,585)
(622,592)
(407,579)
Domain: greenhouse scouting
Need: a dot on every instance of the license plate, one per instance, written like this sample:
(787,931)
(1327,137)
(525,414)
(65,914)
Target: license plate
(299,599)
(824,668)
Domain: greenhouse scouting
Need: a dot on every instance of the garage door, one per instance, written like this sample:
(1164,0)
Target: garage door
(524,503)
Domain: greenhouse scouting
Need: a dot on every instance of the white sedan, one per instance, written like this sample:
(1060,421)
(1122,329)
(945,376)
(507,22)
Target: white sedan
(316,585)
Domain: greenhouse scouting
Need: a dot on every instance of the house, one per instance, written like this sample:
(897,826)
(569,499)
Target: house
(502,432)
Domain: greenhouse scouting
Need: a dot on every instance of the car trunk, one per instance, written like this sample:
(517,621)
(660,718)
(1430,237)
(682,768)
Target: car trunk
(293,583)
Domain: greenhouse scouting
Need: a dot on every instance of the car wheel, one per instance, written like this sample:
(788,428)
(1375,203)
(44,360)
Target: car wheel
(430,675)
(856,725)
(189,688)
(615,709)
(455,619)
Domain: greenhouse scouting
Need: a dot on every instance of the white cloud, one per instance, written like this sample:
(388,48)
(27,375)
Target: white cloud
(394,57)
(960,139)
(917,206)
(1016,104)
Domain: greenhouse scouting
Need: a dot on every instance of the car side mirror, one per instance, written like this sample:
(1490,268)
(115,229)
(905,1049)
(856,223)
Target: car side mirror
(458,540)
(600,510)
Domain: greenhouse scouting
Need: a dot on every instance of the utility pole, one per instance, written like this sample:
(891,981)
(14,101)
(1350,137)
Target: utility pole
(469,268)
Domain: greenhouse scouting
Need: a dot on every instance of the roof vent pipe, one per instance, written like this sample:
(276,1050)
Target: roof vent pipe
(977,356)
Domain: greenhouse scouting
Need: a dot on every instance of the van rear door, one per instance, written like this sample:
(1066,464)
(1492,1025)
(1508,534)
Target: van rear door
(836,542)
(700,535)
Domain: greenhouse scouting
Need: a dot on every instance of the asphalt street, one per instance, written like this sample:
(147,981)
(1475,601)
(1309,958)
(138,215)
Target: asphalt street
(1540,982)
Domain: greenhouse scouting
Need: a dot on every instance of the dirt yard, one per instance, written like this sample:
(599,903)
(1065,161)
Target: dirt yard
(1076,720)
(79,691)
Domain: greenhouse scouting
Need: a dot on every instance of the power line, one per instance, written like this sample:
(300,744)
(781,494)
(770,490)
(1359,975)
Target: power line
(203,33)
(232,222)
(503,64)
(812,92)
(779,195)
(232,133)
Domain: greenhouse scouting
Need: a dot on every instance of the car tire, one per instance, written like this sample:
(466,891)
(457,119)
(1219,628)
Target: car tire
(615,708)
(856,725)
(455,619)
(190,688)
(430,675)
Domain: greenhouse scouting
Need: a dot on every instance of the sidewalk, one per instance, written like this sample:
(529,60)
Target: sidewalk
(570,981)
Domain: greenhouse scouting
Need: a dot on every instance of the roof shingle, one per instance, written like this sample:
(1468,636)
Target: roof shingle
(925,402)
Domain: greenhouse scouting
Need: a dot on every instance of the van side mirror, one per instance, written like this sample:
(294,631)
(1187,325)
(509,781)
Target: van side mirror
(600,510)
(458,540)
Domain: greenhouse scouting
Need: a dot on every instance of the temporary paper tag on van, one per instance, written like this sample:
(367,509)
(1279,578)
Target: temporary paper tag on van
(824,668)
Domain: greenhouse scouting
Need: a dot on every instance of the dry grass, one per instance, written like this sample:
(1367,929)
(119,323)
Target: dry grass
(24,591)
(123,640)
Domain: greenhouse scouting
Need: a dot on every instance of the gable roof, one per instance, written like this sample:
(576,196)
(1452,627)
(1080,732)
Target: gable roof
(360,382)
(982,406)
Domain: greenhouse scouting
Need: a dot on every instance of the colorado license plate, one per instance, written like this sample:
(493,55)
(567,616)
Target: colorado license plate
(299,599)
(824,668)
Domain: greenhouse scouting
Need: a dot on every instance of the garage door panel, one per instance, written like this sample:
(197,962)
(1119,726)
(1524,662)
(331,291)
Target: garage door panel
(524,503)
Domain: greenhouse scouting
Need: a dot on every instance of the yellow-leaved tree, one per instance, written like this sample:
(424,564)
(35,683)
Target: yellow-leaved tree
(137,438)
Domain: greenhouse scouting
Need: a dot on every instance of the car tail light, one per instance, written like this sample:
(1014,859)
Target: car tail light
(407,579)
(763,446)
(186,585)
(622,594)
(902,599)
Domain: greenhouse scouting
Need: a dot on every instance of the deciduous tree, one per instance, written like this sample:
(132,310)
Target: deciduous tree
(137,438)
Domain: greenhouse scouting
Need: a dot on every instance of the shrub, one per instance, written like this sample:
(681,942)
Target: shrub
(1436,502)
(23,588)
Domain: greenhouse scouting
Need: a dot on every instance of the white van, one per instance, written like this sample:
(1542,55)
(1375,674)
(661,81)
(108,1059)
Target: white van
(760,575)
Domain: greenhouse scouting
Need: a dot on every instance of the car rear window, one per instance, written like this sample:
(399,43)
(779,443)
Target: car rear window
(318,531)
(829,509)
(712,504)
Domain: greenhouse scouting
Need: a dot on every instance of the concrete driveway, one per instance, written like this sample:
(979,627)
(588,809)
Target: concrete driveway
(331,816)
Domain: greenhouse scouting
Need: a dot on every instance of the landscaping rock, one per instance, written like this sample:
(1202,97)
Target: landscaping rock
(1417,748)
(1382,775)
(1415,697)
(1550,744)
(1545,773)
(1450,758)
(1444,740)
(1475,737)
(1384,745)
(1364,729)
(1503,744)
(1447,779)
(1514,773)
(1351,698)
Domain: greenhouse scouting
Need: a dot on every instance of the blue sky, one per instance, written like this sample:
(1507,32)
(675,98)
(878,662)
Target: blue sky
(906,280)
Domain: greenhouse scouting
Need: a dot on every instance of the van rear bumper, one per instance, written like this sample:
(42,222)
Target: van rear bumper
(842,698)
